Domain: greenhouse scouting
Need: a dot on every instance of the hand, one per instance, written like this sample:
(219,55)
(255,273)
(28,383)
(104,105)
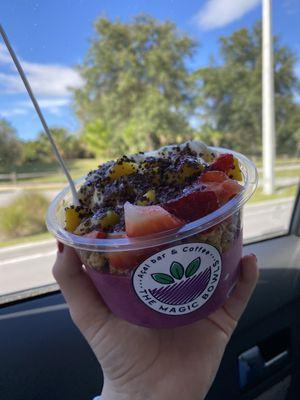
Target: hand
(141,363)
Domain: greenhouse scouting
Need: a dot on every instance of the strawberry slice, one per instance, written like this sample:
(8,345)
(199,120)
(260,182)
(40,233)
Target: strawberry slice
(213,177)
(124,261)
(127,260)
(224,187)
(231,188)
(224,162)
(96,235)
(193,205)
(145,220)
(116,235)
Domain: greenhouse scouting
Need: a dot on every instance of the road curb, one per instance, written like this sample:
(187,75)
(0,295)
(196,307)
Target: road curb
(18,188)
(271,202)
(26,245)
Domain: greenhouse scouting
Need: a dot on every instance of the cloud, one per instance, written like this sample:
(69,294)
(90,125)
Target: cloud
(51,105)
(10,83)
(54,106)
(12,112)
(47,102)
(4,55)
(51,83)
(218,13)
(45,79)
(297,69)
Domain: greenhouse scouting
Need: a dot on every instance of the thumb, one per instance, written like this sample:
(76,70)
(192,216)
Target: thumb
(240,296)
(228,315)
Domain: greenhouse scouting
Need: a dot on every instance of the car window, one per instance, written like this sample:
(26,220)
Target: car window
(118,77)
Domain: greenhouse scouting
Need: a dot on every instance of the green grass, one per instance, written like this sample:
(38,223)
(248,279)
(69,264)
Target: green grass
(77,169)
(26,239)
(84,165)
(285,173)
(289,191)
(288,173)
(76,164)
(279,161)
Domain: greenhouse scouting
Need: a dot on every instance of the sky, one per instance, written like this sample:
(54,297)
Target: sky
(51,38)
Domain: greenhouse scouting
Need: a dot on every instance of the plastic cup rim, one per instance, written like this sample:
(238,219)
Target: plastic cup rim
(131,244)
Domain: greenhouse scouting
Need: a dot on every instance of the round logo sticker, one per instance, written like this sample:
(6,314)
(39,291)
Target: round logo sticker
(178,280)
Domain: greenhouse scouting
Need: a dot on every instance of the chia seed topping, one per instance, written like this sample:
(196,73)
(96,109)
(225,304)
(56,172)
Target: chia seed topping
(165,173)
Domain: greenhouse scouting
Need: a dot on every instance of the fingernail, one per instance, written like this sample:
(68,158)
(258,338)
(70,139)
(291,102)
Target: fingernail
(254,255)
(60,246)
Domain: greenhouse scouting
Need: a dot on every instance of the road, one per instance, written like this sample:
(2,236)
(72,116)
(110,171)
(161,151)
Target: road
(7,196)
(26,266)
(29,265)
(266,218)
(284,181)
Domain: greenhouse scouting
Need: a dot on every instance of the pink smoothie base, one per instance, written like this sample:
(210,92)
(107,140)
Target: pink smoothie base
(118,294)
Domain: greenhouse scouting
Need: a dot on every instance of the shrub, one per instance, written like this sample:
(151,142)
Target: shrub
(24,216)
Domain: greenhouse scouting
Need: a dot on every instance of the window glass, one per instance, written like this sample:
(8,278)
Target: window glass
(114,77)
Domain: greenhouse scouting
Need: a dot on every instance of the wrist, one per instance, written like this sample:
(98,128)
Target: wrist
(157,392)
(114,394)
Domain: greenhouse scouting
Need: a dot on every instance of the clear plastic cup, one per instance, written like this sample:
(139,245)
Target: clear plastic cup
(172,278)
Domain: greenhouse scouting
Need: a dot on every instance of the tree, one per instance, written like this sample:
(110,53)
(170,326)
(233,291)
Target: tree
(97,137)
(10,147)
(231,98)
(69,145)
(138,90)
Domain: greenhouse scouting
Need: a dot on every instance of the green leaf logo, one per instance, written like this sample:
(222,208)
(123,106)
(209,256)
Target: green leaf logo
(165,279)
(193,267)
(177,270)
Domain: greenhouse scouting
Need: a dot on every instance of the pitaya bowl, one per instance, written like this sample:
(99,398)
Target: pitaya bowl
(174,278)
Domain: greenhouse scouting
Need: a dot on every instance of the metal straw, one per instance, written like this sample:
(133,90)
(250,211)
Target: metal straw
(39,112)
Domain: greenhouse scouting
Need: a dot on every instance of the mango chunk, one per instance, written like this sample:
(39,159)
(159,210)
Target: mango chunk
(111,218)
(121,169)
(72,219)
(236,172)
(188,170)
(208,157)
(148,197)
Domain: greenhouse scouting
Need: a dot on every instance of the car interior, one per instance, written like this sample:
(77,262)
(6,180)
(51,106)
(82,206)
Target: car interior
(44,356)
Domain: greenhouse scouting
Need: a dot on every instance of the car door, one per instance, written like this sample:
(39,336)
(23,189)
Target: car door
(44,356)
(262,360)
